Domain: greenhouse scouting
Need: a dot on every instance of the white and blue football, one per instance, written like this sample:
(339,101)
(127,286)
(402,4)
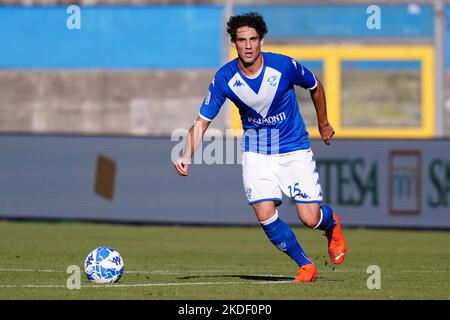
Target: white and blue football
(103,265)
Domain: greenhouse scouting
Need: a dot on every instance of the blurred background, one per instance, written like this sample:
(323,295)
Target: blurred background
(91,92)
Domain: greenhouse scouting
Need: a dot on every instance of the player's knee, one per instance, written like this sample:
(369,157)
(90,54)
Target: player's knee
(264,211)
(310,217)
(310,222)
(265,215)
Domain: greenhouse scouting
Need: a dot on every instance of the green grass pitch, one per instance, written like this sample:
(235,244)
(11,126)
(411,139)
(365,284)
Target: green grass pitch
(187,262)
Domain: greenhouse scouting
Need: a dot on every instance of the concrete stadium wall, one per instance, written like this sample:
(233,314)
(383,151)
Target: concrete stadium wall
(141,102)
(102,102)
(391,183)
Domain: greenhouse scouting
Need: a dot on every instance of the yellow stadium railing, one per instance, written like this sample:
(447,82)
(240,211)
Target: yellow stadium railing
(332,56)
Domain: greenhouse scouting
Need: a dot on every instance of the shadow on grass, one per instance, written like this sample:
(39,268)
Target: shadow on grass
(240,276)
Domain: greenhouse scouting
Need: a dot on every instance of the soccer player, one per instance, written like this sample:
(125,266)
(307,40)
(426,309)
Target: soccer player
(276,157)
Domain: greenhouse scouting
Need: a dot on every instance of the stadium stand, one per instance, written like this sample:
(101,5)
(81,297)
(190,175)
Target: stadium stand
(140,99)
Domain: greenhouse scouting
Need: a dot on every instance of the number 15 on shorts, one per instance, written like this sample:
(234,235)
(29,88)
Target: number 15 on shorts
(294,190)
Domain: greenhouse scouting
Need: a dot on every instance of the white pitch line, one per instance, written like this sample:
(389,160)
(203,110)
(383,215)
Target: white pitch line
(126,271)
(31,286)
(27,270)
(155,272)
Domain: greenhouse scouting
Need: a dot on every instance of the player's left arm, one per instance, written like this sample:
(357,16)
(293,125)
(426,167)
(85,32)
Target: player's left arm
(320,104)
(301,76)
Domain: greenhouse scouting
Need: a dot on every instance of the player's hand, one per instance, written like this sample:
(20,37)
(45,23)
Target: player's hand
(326,132)
(182,166)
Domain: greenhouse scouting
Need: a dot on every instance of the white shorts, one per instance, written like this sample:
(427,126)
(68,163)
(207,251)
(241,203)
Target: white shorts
(295,174)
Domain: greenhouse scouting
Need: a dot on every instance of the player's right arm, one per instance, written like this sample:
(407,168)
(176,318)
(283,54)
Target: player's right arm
(194,138)
(208,111)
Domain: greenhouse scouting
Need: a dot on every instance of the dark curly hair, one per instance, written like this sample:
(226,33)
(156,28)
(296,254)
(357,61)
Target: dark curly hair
(252,19)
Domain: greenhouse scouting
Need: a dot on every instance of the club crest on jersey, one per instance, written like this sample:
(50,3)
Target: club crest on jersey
(272,81)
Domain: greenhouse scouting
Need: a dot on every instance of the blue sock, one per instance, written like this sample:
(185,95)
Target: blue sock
(327,221)
(282,236)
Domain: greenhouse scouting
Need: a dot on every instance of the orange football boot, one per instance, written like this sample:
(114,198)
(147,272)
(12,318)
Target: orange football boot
(306,273)
(336,242)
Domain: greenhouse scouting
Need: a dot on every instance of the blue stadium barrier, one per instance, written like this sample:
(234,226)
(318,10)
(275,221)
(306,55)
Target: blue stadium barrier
(165,37)
(179,36)
(343,21)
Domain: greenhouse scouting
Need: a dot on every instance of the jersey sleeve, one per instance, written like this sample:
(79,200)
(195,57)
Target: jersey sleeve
(301,76)
(213,101)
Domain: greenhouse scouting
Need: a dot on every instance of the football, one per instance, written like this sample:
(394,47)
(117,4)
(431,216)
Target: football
(104,265)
